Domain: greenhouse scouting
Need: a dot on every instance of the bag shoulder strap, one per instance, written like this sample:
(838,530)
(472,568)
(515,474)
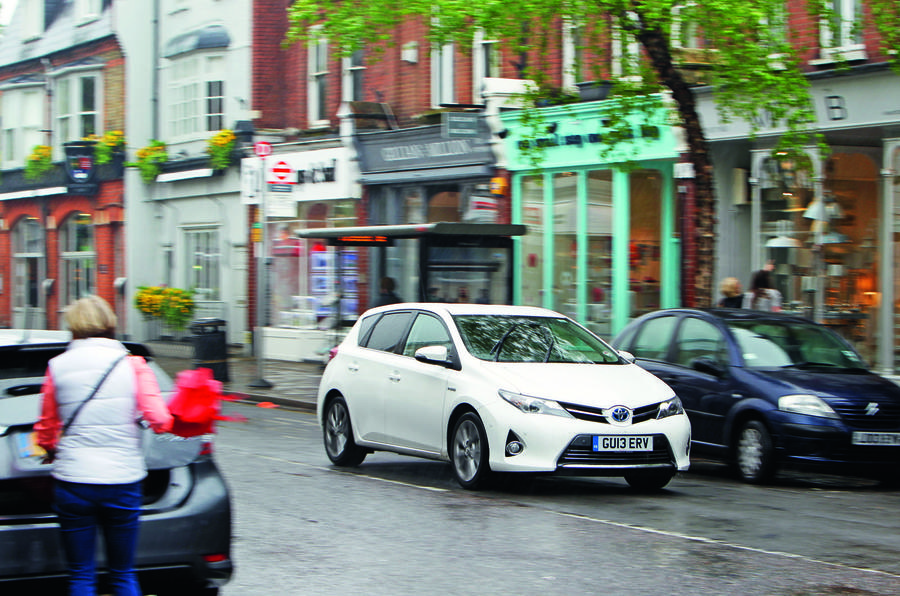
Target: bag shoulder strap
(93,393)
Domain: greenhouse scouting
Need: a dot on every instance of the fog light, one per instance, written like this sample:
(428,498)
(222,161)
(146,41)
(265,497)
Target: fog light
(514,448)
(514,445)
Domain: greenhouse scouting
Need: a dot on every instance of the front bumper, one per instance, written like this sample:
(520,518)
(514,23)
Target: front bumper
(565,445)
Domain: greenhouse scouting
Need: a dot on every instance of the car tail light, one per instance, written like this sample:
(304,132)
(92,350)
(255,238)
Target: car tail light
(215,558)
(332,353)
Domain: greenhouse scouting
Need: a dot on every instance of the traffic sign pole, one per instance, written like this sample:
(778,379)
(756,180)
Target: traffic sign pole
(262,150)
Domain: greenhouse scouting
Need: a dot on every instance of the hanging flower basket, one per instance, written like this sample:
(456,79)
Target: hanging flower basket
(220,148)
(112,143)
(39,162)
(173,306)
(150,160)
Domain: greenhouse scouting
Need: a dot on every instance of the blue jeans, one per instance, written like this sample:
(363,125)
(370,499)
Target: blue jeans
(115,509)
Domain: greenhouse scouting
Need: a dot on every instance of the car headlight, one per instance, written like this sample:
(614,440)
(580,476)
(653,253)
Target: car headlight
(808,405)
(534,405)
(670,407)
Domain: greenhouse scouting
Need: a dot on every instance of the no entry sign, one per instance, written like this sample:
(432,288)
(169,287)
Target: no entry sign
(281,172)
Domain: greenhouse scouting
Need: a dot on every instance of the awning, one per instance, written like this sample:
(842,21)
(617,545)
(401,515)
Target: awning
(209,37)
(384,235)
(428,175)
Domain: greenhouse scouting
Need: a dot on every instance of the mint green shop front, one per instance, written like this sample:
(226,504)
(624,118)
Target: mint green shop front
(603,240)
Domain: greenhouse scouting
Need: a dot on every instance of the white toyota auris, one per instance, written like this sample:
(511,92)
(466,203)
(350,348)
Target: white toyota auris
(495,389)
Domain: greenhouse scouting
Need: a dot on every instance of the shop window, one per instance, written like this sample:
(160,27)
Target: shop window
(28,262)
(644,248)
(443,205)
(532,244)
(78,266)
(565,243)
(599,261)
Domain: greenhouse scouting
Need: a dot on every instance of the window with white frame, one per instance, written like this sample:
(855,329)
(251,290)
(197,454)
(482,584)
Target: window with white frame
(442,75)
(684,29)
(28,262)
(204,259)
(78,258)
(626,53)
(354,69)
(844,32)
(196,95)
(32,19)
(77,102)
(317,86)
(87,10)
(485,62)
(22,110)
(573,55)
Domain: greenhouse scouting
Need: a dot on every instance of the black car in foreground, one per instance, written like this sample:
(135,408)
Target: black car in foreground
(185,537)
(764,390)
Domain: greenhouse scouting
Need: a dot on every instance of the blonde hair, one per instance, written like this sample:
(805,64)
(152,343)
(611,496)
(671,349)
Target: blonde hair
(91,317)
(730,287)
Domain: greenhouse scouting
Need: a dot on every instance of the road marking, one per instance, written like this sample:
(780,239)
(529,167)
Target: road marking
(713,541)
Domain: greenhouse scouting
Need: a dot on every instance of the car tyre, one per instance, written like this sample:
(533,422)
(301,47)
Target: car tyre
(469,452)
(649,481)
(754,453)
(337,434)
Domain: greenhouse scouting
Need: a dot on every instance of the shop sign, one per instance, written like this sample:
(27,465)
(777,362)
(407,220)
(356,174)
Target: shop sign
(80,168)
(421,148)
(314,175)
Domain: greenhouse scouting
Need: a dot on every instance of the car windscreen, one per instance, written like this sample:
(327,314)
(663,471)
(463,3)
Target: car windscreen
(792,344)
(532,339)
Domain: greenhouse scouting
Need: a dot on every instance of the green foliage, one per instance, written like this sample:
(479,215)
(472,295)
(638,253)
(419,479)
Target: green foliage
(756,76)
(39,162)
(150,160)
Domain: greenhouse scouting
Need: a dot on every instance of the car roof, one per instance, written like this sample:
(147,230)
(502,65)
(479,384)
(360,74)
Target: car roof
(15,337)
(453,309)
(734,314)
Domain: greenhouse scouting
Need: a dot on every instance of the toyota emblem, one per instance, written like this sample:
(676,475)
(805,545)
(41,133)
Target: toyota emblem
(620,414)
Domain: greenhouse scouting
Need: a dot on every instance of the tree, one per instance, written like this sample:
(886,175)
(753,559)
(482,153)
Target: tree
(756,57)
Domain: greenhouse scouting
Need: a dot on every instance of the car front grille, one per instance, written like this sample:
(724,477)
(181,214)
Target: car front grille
(590,414)
(887,416)
(580,453)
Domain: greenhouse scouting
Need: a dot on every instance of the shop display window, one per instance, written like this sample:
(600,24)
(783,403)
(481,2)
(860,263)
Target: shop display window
(644,257)
(823,245)
(599,262)
(532,244)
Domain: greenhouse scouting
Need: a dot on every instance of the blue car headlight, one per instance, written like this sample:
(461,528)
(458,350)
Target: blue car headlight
(670,407)
(534,405)
(808,405)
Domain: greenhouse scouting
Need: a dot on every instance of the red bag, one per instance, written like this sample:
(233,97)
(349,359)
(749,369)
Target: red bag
(195,407)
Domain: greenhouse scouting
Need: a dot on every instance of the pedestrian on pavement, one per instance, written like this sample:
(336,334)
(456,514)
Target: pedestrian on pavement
(387,295)
(732,296)
(93,394)
(762,294)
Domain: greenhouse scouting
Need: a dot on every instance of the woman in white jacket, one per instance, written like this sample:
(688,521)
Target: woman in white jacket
(93,396)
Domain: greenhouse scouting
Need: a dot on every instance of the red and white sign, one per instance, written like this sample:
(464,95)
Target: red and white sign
(262,149)
(282,173)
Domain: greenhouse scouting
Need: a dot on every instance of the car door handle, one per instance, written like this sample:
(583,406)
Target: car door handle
(394,378)
(353,367)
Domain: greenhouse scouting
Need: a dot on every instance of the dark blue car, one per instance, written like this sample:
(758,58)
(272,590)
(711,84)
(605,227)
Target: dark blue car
(764,390)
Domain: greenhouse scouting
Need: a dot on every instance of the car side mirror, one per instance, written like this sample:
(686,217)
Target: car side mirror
(434,355)
(628,356)
(708,366)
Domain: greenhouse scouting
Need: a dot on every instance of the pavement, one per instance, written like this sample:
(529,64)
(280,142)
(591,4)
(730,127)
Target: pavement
(293,384)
